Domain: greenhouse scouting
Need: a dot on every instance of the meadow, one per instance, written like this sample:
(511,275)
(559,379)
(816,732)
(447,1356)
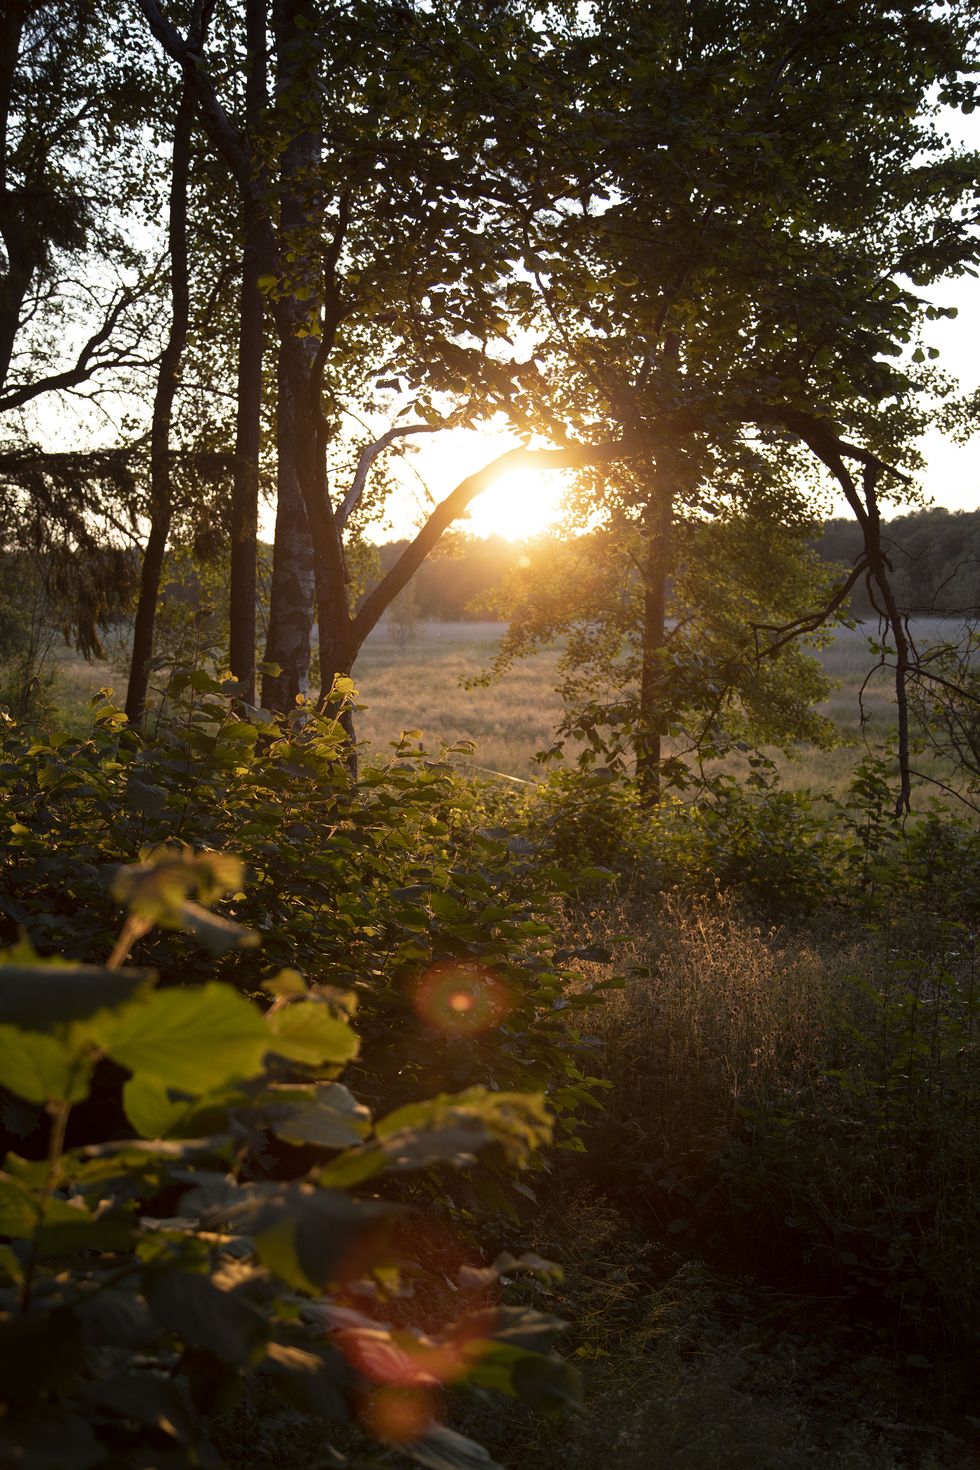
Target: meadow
(412,679)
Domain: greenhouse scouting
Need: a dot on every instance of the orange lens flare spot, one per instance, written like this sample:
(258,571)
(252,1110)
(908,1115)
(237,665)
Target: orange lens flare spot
(397,1415)
(462,1000)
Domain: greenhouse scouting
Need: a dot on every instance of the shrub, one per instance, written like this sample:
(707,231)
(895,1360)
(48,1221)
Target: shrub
(396,884)
(151,1279)
(809,1109)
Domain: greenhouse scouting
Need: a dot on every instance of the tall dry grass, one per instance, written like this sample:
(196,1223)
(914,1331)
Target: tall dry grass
(816,1097)
(726,1016)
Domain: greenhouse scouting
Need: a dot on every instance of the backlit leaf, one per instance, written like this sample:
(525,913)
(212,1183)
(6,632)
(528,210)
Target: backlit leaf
(191,1040)
(307,1031)
(332,1118)
(42,1068)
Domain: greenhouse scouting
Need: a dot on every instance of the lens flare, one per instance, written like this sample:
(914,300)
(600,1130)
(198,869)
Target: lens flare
(461,999)
(397,1415)
(415,1363)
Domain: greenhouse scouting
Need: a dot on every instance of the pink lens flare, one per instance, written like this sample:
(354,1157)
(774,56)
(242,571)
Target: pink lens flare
(461,998)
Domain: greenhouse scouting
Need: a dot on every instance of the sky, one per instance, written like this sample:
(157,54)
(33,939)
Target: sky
(526,504)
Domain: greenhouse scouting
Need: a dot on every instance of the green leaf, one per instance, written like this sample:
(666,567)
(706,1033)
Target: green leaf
(157,888)
(67,1228)
(332,1118)
(117,1317)
(518,1121)
(216,933)
(150,1108)
(192,1040)
(286,985)
(311,1382)
(353,1167)
(444,906)
(10,1263)
(145,1398)
(18,1214)
(156,1112)
(313,1237)
(445,1130)
(200,1314)
(45,996)
(43,1068)
(454,1140)
(307,1031)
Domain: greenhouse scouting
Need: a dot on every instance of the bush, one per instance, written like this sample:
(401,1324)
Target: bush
(153,1278)
(781,851)
(396,884)
(808,1109)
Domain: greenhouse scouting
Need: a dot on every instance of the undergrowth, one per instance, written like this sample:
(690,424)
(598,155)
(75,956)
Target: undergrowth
(753,1017)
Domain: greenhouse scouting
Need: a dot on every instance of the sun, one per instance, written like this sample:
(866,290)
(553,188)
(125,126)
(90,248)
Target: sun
(517,506)
(520,505)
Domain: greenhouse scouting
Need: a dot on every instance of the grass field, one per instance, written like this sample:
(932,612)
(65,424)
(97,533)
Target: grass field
(416,683)
(418,686)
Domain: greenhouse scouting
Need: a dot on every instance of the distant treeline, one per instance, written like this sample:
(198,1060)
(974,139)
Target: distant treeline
(935,555)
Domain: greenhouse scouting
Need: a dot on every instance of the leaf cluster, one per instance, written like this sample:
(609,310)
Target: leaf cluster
(149,1280)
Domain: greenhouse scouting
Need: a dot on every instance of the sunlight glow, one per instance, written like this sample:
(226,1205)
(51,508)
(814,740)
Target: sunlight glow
(520,505)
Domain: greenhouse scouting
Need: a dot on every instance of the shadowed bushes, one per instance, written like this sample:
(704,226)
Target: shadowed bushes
(808,1106)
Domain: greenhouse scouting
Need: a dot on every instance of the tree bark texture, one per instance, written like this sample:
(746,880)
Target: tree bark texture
(19,262)
(161,496)
(293,591)
(649,736)
(245,493)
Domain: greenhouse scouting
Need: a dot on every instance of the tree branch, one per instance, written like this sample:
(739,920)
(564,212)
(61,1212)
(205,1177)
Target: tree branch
(84,366)
(831,450)
(366,459)
(227,138)
(809,622)
(571,456)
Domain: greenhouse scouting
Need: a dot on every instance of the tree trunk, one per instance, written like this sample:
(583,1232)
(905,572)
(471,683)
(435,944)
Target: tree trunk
(161,499)
(292,592)
(650,728)
(245,495)
(18,266)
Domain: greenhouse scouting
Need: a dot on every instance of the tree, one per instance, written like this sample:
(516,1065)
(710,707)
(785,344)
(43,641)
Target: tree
(76,296)
(248,435)
(68,172)
(661,634)
(161,487)
(706,269)
(399,178)
(759,197)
